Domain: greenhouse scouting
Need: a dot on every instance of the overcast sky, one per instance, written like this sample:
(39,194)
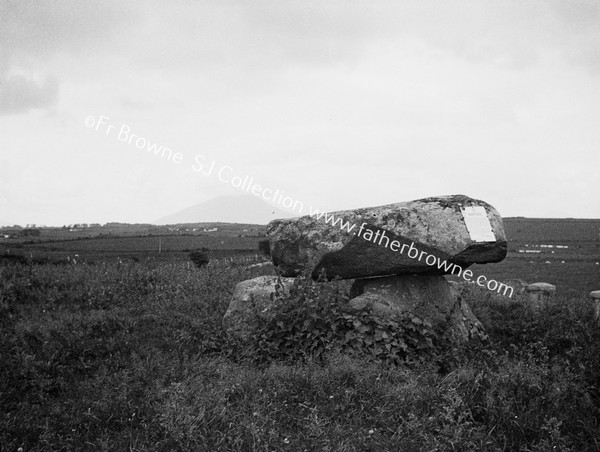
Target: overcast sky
(339,104)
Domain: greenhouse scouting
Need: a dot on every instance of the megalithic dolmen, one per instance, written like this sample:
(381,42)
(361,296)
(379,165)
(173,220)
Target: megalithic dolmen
(428,236)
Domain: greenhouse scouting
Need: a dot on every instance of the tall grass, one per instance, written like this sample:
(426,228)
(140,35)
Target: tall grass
(134,357)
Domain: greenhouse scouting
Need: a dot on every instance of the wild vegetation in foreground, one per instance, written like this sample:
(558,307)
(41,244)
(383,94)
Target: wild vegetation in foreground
(134,357)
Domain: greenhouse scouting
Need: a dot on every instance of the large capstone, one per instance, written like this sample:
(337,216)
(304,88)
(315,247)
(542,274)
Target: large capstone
(428,236)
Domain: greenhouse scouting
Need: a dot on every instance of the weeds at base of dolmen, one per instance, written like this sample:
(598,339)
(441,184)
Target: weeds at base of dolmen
(314,321)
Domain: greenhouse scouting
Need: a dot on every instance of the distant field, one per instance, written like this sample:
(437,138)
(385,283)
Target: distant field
(563,252)
(552,230)
(572,278)
(145,244)
(172,247)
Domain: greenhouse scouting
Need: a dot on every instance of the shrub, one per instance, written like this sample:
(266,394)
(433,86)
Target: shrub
(199,258)
(31,232)
(14,259)
(264,247)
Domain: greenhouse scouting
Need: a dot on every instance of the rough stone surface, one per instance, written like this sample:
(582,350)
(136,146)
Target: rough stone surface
(252,300)
(430,297)
(435,226)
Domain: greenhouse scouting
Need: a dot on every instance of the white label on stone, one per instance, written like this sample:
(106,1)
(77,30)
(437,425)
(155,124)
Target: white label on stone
(478,224)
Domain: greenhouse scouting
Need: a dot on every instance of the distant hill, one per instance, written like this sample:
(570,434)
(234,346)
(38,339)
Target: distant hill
(227,209)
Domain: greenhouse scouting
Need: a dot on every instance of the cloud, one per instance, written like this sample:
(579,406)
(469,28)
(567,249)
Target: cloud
(19,94)
(40,29)
(580,21)
(400,101)
(34,34)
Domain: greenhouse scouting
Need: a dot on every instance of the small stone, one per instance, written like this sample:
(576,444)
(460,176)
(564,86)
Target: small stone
(539,293)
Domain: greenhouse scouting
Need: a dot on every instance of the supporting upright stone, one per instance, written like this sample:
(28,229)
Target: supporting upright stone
(539,293)
(595,297)
(430,297)
(255,300)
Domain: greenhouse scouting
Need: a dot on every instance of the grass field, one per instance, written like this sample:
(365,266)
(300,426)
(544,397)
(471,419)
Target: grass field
(123,348)
(133,357)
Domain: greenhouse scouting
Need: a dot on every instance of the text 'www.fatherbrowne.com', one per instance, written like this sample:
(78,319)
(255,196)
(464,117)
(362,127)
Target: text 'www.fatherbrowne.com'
(412,252)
